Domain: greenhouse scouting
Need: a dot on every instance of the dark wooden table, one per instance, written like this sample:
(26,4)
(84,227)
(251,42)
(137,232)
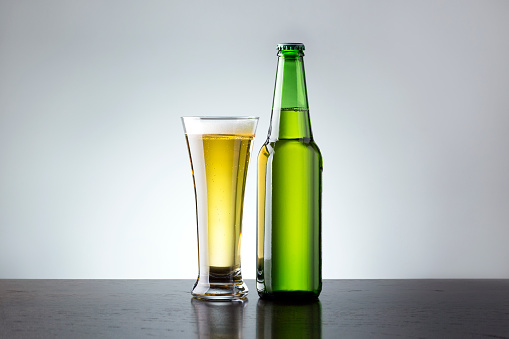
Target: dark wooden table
(164,308)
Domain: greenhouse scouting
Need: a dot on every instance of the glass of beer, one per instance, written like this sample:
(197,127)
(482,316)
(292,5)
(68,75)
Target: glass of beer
(219,150)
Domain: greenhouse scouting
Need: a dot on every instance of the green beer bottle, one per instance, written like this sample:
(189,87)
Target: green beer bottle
(289,246)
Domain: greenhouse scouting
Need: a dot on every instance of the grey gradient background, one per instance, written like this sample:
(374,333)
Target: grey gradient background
(409,104)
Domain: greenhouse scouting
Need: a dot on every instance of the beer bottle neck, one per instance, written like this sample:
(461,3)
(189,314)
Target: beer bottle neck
(290,111)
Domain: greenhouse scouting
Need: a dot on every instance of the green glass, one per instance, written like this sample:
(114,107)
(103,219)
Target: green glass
(289,247)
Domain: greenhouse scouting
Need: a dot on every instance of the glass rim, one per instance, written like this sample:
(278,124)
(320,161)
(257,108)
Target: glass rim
(220,118)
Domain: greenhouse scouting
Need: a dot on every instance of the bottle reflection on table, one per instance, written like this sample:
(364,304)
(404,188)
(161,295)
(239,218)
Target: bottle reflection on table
(219,319)
(285,319)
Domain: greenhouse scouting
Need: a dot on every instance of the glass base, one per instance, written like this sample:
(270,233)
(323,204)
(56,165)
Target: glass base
(220,292)
(220,287)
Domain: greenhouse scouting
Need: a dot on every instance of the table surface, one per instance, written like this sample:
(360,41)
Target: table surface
(164,308)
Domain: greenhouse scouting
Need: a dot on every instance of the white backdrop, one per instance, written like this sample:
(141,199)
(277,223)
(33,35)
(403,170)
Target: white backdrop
(409,105)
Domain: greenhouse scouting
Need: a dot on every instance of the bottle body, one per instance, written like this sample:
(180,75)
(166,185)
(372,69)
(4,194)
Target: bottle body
(289,219)
(289,200)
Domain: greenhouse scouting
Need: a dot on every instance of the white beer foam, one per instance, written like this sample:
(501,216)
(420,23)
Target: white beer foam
(220,125)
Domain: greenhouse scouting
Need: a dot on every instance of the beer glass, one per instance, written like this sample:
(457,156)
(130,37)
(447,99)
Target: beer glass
(219,150)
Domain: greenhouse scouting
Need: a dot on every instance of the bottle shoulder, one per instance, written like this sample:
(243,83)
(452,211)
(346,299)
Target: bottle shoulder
(281,145)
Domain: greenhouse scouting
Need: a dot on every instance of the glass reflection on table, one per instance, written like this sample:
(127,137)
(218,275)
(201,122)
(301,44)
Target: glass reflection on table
(285,319)
(219,319)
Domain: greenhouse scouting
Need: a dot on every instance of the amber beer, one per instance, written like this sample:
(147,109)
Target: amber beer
(221,162)
(219,150)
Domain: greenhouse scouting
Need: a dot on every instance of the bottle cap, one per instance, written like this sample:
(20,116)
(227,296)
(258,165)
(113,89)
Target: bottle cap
(291,47)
